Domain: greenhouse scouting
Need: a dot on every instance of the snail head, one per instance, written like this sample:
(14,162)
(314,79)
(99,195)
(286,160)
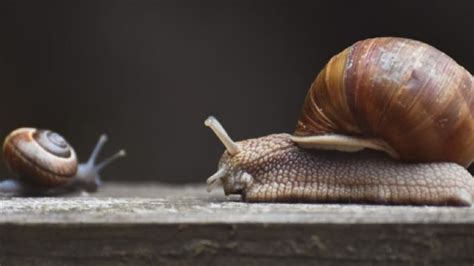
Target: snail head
(245,159)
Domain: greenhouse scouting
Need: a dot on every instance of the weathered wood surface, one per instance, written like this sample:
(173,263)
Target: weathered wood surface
(165,225)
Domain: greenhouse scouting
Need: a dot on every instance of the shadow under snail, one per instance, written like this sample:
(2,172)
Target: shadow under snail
(46,165)
(395,95)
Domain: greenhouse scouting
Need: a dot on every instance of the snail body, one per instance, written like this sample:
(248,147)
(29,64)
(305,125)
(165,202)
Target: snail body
(395,95)
(46,165)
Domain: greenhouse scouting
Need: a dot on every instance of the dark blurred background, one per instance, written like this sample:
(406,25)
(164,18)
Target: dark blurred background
(149,72)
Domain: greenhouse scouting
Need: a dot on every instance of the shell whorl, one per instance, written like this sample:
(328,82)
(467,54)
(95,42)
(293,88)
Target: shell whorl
(40,156)
(404,92)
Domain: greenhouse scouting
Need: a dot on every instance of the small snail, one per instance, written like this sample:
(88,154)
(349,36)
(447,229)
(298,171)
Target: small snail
(395,95)
(47,165)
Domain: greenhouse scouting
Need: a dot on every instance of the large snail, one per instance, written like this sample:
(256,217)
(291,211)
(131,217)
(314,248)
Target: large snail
(395,95)
(46,165)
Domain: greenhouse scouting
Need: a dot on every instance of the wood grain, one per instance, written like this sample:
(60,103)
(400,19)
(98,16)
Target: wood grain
(154,224)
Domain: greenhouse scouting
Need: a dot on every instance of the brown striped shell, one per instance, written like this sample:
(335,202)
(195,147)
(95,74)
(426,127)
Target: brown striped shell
(398,95)
(40,156)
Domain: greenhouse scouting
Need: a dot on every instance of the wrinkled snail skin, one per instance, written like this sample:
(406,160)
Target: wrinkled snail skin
(274,169)
(399,96)
(416,101)
(46,165)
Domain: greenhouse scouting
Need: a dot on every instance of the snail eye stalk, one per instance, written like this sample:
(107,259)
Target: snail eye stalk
(231,147)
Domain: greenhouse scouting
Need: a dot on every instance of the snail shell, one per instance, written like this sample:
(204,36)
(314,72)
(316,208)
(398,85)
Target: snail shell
(41,157)
(398,95)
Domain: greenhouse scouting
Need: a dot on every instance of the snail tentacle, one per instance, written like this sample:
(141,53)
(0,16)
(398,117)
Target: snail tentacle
(110,159)
(87,176)
(215,180)
(98,147)
(230,145)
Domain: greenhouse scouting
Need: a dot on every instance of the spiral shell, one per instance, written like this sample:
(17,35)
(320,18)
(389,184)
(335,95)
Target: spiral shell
(403,93)
(40,156)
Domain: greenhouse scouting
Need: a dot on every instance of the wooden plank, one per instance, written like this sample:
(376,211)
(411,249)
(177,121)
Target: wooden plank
(154,224)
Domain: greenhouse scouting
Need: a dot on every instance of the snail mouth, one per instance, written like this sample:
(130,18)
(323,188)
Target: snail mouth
(215,180)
